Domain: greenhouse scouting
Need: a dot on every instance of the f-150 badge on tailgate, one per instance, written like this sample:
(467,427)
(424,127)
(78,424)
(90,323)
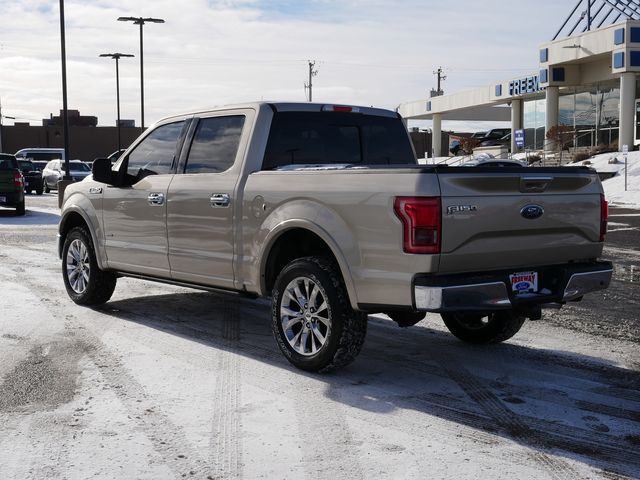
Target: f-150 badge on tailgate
(453,209)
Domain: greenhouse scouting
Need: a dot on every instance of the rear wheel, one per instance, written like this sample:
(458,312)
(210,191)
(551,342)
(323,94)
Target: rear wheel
(39,190)
(312,319)
(483,328)
(86,284)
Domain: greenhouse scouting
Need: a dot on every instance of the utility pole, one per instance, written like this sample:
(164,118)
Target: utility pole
(441,78)
(312,73)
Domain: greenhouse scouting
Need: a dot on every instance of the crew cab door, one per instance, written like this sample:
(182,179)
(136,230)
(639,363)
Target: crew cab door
(135,214)
(202,204)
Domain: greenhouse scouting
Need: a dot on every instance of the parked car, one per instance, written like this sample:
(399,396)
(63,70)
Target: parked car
(45,154)
(324,209)
(11,183)
(54,171)
(113,157)
(32,176)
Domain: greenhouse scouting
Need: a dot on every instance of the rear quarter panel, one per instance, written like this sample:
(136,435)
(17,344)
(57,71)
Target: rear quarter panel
(352,210)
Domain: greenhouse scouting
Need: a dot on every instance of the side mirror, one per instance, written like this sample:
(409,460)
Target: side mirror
(101,170)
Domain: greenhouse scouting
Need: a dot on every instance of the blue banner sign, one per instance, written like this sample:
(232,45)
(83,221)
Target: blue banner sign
(518,135)
(524,85)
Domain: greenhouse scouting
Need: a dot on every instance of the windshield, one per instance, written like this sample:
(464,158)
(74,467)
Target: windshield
(79,167)
(26,165)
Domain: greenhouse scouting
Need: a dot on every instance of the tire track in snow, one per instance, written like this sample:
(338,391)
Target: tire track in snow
(226,435)
(167,439)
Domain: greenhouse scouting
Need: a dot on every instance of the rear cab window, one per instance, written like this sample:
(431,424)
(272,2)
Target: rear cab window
(336,138)
(8,162)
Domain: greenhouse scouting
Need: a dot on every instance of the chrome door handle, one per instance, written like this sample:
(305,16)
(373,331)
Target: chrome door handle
(156,198)
(220,200)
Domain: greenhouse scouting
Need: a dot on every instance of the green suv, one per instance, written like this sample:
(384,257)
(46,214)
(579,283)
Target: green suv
(11,184)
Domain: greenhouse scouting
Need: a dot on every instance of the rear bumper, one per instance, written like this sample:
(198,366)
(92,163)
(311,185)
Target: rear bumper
(11,199)
(489,292)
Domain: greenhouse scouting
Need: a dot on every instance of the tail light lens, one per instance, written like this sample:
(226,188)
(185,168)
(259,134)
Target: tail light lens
(18,179)
(421,220)
(604,216)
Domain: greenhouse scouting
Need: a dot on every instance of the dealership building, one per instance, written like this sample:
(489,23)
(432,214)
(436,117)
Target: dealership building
(589,80)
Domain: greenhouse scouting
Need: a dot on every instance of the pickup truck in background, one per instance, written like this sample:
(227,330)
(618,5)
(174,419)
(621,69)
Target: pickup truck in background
(324,209)
(11,183)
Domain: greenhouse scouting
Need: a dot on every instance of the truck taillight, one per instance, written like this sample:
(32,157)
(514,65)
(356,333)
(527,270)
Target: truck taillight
(421,220)
(18,180)
(340,108)
(604,216)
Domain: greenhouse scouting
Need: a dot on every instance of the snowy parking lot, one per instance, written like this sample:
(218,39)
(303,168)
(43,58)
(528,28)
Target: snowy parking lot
(165,382)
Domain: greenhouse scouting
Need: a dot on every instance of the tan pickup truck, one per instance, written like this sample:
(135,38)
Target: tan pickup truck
(324,209)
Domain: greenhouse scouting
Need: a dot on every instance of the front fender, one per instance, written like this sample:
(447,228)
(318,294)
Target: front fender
(78,203)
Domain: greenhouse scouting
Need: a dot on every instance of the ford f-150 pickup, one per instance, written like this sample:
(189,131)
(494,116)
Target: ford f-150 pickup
(324,209)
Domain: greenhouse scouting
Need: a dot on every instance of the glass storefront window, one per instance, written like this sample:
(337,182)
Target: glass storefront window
(534,123)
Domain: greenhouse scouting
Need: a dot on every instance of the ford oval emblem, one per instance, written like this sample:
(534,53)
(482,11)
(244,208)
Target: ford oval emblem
(531,212)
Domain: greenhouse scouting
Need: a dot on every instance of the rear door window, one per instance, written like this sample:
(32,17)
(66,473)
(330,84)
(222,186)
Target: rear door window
(331,138)
(215,144)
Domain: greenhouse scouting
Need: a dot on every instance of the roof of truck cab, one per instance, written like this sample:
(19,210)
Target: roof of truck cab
(288,107)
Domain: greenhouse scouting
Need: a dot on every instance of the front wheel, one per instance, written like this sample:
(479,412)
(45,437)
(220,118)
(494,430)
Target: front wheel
(86,284)
(312,319)
(479,328)
(46,187)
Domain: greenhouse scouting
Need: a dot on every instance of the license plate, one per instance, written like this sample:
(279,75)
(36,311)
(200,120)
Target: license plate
(3,199)
(524,282)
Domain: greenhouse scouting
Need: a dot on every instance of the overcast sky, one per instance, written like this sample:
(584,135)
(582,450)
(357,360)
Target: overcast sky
(368,52)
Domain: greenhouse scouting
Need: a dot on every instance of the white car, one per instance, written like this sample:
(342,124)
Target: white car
(54,171)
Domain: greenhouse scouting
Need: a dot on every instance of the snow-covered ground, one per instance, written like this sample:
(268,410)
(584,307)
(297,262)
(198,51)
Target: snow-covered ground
(164,382)
(614,187)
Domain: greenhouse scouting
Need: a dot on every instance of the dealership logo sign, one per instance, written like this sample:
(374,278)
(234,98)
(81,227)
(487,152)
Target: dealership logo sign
(524,85)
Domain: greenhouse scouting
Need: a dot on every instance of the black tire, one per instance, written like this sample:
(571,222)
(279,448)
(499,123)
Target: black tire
(20,208)
(480,329)
(100,284)
(407,319)
(46,187)
(39,190)
(343,328)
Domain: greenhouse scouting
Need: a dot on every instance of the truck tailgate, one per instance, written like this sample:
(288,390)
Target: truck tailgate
(499,218)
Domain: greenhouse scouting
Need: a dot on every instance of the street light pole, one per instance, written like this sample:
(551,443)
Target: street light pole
(65,111)
(141,21)
(117,57)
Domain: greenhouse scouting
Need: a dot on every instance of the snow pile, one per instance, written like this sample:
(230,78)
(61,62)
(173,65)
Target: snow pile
(614,187)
